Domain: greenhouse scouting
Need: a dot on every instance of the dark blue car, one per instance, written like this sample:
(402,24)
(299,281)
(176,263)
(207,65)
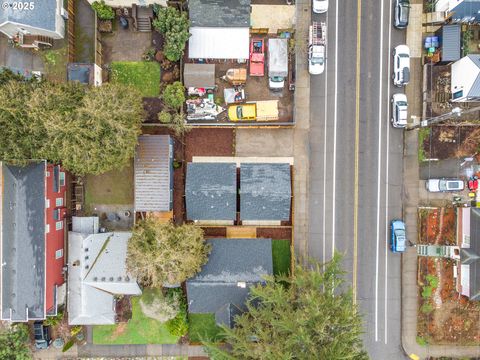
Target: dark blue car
(398,237)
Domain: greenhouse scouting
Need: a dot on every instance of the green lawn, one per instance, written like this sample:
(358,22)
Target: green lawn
(139,330)
(203,326)
(281,257)
(143,75)
(112,188)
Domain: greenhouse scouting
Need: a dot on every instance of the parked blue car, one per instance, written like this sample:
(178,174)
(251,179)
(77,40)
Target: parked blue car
(398,238)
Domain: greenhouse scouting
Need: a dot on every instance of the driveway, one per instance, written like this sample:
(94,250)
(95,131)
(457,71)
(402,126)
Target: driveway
(264,142)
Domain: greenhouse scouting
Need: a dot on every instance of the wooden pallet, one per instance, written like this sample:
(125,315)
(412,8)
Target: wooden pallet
(241,232)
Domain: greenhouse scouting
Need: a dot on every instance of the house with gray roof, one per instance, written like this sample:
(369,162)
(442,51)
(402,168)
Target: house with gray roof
(223,285)
(23,242)
(153,167)
(465,79)
(96,273)
(211,193)
(468,276)
(35,17)
(219,29)
(265,193)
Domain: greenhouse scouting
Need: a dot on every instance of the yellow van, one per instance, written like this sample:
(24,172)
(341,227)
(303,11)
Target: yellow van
(242,112)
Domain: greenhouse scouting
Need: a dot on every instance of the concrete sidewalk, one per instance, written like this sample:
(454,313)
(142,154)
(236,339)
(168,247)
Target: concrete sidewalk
(413,196)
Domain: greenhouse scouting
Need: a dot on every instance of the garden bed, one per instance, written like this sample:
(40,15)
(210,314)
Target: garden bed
(444,316)
(143,75)
(437,226)
(209,142)
(449,142)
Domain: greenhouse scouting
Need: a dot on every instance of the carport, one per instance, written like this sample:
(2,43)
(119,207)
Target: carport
(219,43)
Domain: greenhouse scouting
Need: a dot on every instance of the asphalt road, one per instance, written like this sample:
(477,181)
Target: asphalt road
(356,164)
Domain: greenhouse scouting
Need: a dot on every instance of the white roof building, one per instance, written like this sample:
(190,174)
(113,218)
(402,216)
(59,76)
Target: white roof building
(96,272)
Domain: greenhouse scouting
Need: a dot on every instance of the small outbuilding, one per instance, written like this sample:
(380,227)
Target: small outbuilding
(211,192)
(265,193)
(451,38)
(199,75)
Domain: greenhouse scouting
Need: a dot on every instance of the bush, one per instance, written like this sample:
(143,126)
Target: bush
(174,25)
(104,12)
(426,308)
(421,341)
(432,280)
(426,292)
(164,117)
(178,326)
(174,95)
(53,320)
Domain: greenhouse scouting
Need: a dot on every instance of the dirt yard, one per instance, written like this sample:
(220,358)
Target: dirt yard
(450,142)
(209,142)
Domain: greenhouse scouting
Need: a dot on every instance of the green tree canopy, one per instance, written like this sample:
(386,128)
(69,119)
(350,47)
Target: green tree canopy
(87,130)
(308,316)
(162,253)
(174,25)
(14,343)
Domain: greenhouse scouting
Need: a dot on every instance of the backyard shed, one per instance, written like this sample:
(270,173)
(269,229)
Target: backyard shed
(451,35)
(199,75)
(265,192)
(211,192)
(223,285)
(154,173)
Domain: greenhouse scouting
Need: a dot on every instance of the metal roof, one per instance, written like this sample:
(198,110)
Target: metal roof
(471,256)
(223,285)
(42,15)
(154,173)
(204,43)
(23,242)
(265,191)
(451,42)
(219,13)
(199,75)
(211,191)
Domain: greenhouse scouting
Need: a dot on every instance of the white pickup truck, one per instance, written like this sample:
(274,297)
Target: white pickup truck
(317,41)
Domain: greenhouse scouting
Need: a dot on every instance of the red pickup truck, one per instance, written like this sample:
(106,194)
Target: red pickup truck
(257,57)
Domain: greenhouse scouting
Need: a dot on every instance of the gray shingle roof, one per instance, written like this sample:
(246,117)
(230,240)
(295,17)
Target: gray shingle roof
(451,42)
(23,242)
(154,173)
(265,192)
(42,16)
(219,13)
(232,261)
(199,75)
(211,191)
(471,256)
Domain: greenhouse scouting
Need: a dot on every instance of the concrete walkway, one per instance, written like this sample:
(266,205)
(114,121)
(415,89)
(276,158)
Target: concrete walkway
(413,196)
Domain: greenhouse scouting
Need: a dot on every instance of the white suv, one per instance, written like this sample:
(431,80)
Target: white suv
(399,110)
(444,185)
(401,65)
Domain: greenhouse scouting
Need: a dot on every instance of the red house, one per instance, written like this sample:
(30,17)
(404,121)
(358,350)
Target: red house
(32,213)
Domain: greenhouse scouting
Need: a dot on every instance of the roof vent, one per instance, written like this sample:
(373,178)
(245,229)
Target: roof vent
(86,257)
(95,278)
(119,278)
(111,278)
(103,278)
(127,278)
(87,267)
(242,284)
(86,249)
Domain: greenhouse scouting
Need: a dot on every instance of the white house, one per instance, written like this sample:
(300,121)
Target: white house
(96,272)
(35,17)
(459,10)
(465,79)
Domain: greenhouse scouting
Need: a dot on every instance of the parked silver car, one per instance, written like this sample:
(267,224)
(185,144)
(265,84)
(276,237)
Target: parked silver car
(444,185)
(401,14)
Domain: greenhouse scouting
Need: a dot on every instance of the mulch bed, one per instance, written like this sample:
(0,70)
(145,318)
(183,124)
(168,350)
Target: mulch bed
(123,308)
(152,107)
(209,142)
(430,231)
(215,232)
(445,141)
(275,233)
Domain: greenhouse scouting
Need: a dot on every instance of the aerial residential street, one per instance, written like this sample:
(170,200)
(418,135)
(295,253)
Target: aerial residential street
(356,164)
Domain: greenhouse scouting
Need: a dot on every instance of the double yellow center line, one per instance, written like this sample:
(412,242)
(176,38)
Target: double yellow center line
(357,140)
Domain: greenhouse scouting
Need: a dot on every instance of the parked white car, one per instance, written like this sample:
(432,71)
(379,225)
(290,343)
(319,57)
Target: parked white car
(444,185)
(399,110)
(401,65)
(320,6)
